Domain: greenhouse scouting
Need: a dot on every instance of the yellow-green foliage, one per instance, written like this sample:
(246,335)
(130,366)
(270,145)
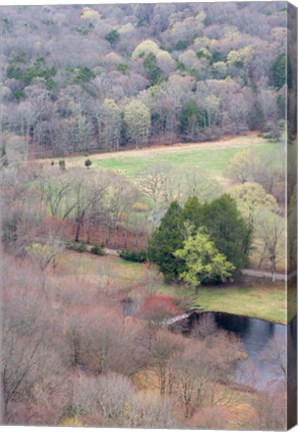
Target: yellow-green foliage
(239,57)
(140,207)
(252,197)
(203,261)
(90,13)
(40,254)
(144,48)
(72,422)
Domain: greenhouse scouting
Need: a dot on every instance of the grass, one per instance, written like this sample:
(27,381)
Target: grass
(262,300)
(266,302)
(211,157)
(211,160)
(72,263)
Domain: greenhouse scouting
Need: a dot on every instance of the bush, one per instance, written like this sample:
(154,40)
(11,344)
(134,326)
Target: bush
(134,256)
(62,165)
(78,247)
(88,163)
(98,250)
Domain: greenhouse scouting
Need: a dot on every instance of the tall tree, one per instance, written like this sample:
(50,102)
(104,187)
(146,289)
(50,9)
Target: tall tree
(111,125)
(165,241)
(228,230)
(137,119)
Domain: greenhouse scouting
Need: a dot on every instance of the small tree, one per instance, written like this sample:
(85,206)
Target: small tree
(88,163)
(62,165)
(44,254)
(203,262)
(112,37)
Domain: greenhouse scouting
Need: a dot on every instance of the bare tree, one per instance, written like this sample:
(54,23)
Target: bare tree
(31,368)
(271,231)
(44,254)
(164,347)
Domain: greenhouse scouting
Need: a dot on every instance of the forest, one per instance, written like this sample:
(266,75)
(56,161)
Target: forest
(84,79)
(148,167)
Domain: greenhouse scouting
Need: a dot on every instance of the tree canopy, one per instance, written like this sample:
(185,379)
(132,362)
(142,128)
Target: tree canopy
(203,261)
(166,240)
(219,225)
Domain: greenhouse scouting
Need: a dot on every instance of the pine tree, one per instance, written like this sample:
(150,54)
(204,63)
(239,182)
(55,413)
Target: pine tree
(168,237)
(192,212)
(228,230)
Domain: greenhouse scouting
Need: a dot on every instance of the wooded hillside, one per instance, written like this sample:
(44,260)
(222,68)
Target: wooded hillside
(79,79)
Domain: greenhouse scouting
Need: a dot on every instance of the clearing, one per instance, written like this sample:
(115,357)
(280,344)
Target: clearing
(212,156)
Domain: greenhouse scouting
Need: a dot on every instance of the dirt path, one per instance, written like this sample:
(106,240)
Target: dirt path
(248,272)
(268,275)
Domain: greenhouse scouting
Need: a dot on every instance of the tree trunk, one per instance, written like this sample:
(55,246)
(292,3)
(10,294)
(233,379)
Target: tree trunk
(273,268)
(79,224)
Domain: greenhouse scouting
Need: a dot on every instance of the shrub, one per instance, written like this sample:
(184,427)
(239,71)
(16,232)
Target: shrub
(158,308)
(134,256)
(62,164)
(140,207)
(98,250)
(88,163)
(78,246)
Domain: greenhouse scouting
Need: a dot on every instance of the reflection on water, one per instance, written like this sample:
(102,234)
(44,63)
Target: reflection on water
(264,342)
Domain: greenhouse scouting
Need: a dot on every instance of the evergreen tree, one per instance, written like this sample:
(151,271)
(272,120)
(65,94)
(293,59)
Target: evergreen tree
(164,242)
(281,70)
(228,230)
(192,212)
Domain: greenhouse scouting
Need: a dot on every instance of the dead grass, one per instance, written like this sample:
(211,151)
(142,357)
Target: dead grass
(112,277)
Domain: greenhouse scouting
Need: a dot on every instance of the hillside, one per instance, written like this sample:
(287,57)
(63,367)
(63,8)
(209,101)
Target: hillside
(78,78)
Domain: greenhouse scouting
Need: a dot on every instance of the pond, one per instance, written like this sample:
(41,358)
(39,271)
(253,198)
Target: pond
(263,341)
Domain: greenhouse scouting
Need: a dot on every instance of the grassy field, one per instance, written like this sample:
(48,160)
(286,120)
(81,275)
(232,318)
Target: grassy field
(212,157)
(210,160)
(263,300)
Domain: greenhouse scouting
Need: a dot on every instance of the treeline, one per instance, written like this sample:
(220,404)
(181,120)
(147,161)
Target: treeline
(78,78)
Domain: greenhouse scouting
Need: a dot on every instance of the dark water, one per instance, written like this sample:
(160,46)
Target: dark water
(263,341)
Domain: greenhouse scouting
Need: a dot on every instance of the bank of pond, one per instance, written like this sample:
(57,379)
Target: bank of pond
(266,344)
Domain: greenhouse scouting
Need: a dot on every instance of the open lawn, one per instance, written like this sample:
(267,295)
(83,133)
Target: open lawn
(212,157)
(262,300)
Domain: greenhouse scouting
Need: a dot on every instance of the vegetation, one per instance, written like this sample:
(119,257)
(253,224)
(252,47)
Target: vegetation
(203,262)
(78,246)
(193,80)
(201,242)
(181,112)
(165,241)
(134,256)
(98,250)
(88,163)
